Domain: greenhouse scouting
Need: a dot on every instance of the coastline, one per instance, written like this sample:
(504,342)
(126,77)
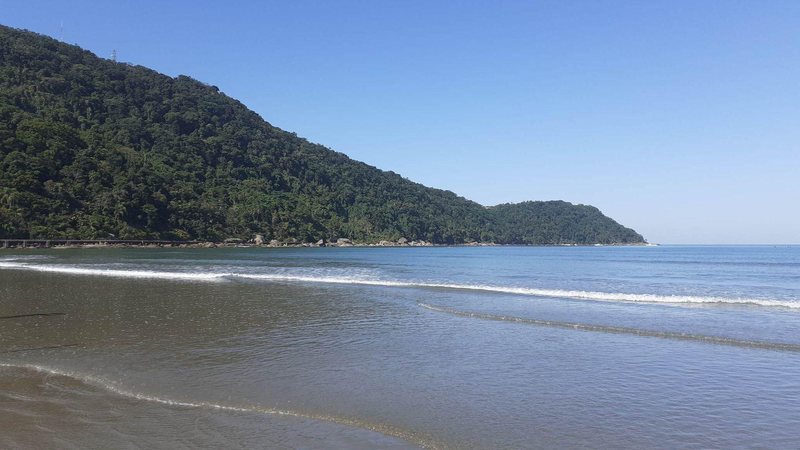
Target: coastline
(256,243)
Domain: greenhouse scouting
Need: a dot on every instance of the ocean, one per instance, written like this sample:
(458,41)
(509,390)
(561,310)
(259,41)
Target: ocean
(673,347)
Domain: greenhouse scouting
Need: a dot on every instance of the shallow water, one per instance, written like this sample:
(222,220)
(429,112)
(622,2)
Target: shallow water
(626,347)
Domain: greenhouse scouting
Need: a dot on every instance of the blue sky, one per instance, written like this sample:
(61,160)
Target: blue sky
(680,119)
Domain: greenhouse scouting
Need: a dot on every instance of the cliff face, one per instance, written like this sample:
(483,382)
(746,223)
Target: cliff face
(90,147)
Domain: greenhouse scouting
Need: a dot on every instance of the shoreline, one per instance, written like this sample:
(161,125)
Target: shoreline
(237,243)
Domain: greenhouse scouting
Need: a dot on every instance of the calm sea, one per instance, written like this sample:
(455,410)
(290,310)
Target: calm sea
(501,347)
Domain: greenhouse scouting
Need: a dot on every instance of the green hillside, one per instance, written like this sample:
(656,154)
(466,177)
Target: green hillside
(91,148)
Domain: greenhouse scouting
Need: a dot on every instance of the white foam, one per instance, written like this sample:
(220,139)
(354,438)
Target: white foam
(534,292)
(148,274)
(26,258)
(287,277)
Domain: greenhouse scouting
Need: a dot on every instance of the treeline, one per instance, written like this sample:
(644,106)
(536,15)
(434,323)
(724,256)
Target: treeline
(91,148)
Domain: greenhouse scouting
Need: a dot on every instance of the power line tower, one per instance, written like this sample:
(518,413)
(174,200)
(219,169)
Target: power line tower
(114,55)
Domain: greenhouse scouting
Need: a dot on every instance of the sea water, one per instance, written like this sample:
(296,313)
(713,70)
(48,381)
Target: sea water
(491,347)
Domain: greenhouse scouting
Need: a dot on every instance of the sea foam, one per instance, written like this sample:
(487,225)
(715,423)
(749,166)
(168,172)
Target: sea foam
(118,273)
(533,292)
(372,281)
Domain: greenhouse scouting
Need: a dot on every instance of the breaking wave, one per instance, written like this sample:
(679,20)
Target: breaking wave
(371,281)
(119,273)
(533,292)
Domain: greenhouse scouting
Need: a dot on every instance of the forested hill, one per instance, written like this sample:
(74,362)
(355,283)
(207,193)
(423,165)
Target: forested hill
(91,148)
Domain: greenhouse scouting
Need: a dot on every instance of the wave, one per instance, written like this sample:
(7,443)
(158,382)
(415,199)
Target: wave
(618,330)
(350,280)
(533,292)
(147,274)
(114,388)
(25,257)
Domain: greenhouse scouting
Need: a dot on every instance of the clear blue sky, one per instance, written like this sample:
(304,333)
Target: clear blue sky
(680,119)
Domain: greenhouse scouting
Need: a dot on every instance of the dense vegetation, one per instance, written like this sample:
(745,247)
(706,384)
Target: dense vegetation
(556,222)
(91,148)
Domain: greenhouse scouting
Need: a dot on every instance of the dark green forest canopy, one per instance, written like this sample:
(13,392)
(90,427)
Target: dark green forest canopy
(91,148)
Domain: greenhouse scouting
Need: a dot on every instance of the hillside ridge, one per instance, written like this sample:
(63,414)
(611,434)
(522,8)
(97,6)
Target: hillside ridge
(91,148)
